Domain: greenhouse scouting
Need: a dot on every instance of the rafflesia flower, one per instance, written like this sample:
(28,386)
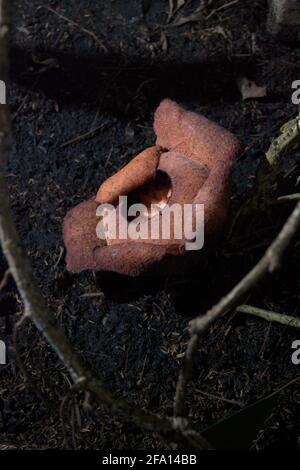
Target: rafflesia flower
(189,165)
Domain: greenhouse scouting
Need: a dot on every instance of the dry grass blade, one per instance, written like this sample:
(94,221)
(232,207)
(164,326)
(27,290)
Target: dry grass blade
(84,30)
(174,7)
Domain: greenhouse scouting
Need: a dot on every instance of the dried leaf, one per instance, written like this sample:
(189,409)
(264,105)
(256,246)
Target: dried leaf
(164,42)
(219,30)
(249,89)
(37,60)
(195,17)
(174,7)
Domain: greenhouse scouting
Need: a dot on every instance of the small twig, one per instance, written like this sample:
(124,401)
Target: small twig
(218,398)
(222,7)
(289,198)
(270,316)
(63,422)
(15,346)
(185,376)
(72,423)
(174,7)
(283,387)
(268,263)
(82,136)
(61,252)
(5,279)
(92,294)
(73,23)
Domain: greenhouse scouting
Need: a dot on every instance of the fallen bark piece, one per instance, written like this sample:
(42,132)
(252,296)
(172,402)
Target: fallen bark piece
(190,165)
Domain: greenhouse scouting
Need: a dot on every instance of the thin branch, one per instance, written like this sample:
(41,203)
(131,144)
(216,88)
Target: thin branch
(222,7)
(42,316)
(4,279)
(270,316)
(268,263)
(218,398)
(79,138)
(289,198)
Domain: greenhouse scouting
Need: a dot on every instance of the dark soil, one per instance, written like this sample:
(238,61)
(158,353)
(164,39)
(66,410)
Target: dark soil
(65,85)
